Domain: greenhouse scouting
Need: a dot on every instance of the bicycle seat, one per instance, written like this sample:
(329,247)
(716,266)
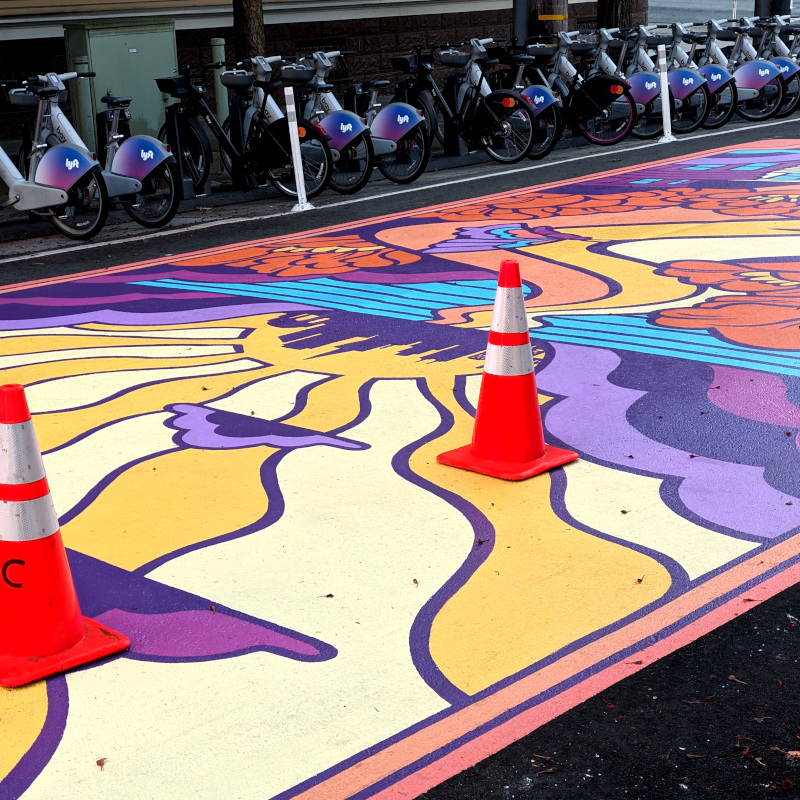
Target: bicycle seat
(116,102)
(584,48)
(542,50)
(519,58)
(44,91)
(268,86)
(369,84)
(655,41)
(320,87)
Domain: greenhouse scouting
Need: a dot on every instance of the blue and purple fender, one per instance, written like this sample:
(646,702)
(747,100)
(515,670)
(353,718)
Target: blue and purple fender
(756,74)
(715,76)
(786,66)
(64,165)
(645,86)
(684,82)
(342,127)
(138,156)
(539,98)
(394,121)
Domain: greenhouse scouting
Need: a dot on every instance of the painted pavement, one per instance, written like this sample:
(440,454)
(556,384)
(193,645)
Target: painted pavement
(241,444)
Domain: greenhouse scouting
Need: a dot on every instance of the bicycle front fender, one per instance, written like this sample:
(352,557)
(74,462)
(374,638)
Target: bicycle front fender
(786,66)
(598,93)
(756,74)
(539,98)
(684,82)
(138,156)
(645,87)
(342,127)
(64,165)
(395,121)
(715,76)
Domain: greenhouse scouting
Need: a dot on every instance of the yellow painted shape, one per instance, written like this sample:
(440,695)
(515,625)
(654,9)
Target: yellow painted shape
(22,715)
(169,502)
(545,584)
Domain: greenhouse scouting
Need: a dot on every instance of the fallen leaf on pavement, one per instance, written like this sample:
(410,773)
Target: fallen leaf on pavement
(735,679)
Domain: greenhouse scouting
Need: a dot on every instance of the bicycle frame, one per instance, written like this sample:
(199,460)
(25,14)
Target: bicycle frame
(28,196)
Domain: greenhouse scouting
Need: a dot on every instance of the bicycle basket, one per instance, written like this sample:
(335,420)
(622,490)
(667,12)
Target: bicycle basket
(296,73)
(237,78)
(541,50)
(174,86)
(405,64)
(453,58)
(22,99)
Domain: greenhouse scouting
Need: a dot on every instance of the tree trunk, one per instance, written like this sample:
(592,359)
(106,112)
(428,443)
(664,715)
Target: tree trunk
(614,13)
(248,28)
(548,16)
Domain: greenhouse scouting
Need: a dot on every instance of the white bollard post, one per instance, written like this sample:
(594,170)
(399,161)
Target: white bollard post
(220,92)
(665,115)
(294,139)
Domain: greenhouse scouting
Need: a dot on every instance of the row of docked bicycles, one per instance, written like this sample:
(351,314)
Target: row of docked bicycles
(512,101)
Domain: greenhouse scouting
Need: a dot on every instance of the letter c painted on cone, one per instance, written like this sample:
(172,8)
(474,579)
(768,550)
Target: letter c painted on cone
(5,572)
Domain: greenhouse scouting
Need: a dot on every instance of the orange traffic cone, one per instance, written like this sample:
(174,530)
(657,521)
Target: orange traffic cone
(507,440)
(42,631)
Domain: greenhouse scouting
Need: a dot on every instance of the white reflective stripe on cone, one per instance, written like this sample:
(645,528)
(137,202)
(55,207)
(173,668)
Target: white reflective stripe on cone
(509,311)
(21,460)
(506,359)
(27,520)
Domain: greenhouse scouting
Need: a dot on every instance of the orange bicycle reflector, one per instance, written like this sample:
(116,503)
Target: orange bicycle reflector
(301,132)
(509,102)
(616,89)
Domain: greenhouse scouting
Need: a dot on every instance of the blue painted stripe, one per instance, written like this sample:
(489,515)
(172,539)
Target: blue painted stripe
(684,354)
(294,297)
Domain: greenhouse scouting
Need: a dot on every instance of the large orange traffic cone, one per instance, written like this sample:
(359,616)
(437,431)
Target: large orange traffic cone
(42,631)
(507,440)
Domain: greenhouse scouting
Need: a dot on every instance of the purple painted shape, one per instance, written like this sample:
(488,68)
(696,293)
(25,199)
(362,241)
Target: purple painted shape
(210,429)
(592,419)
(753,395)
(187,317)
(362,276)
(199,634)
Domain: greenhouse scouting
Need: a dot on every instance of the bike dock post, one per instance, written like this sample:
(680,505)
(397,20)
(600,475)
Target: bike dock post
(185,187)
(665,115)
(294,139)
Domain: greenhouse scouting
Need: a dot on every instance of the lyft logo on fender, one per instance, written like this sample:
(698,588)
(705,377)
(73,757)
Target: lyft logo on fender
(72,163)
(403,120)
(346,128)
(147,155)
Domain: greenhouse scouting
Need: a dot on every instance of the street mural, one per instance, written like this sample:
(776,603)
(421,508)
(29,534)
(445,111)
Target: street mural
(241,445)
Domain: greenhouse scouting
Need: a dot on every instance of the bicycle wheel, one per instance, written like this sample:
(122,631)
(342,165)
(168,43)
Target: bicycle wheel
(317,163)
(649,122)
(408,162)
(157,202)
(791,97)
(354,167)
(196,151)
(691,112)
(607,124)
(546,131)
(85,212)
(766,105)
(507,126)
(723,106)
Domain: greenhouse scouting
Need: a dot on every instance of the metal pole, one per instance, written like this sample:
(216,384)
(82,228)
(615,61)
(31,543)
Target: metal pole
(520,20)
(294,139)
(665,116)
(220,93)
(82,106)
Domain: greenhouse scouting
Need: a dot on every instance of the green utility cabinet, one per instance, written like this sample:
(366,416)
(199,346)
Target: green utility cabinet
(127,55)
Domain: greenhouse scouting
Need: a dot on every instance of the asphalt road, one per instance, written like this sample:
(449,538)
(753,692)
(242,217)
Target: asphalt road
(718,718)
(683,11)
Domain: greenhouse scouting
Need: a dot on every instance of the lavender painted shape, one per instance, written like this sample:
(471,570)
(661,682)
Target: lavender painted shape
(201,634)
(504,237)
(210,429)
(592,419)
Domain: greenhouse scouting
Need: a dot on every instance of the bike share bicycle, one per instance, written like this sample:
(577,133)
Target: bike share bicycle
(265,154)
(689,94)
(759,83)
(139,172)
(772,48)
(393,138)
(598,107)
(500,122)
(62,174)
